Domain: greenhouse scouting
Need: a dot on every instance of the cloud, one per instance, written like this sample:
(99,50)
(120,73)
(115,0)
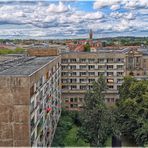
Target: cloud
(60,8)
(136,4)
(115,7)
(95,15)
(105,3)
(69,19)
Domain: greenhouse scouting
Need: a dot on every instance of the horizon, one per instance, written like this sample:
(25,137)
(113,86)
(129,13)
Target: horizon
(72,19)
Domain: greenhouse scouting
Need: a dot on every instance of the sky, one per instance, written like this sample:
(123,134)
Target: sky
(62,19)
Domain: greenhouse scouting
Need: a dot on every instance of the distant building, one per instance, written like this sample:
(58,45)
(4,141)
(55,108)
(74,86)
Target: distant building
(78,45)
(30,100)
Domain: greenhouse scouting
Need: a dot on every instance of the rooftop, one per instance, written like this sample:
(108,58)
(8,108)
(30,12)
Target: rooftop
(23,65)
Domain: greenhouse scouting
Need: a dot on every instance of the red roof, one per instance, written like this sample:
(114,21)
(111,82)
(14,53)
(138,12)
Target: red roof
(79,48)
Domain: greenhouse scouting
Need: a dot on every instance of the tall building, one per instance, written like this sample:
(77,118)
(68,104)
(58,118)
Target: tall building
(30,100)
(80,69)
(90,34)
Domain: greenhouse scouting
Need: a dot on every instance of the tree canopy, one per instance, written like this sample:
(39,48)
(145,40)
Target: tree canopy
(95,117)
(132,110)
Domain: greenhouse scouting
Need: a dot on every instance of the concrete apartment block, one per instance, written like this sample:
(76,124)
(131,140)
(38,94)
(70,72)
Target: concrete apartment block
(30,100)
(80,69)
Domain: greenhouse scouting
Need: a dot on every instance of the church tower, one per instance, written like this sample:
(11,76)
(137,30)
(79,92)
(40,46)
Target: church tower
(90,34)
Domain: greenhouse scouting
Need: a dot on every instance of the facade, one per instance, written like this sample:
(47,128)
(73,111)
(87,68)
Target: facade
(30,100)
(80,69)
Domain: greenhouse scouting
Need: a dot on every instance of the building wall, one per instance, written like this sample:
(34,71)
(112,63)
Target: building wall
(46,95)
(30,106)
(79,70)
(43,52)
(14,111)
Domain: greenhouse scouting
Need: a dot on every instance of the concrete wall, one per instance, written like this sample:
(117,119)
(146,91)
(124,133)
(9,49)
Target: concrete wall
(14,111)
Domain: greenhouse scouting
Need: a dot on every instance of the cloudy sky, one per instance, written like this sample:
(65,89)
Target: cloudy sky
(52,19)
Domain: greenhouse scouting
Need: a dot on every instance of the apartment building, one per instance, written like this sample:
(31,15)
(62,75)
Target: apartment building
(80,69)
(30,100)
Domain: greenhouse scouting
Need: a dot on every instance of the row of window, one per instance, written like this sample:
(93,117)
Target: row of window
(71,100)
(100,60)
(75,104)
(91,74)
(85,87)
(92,67)
(88,80)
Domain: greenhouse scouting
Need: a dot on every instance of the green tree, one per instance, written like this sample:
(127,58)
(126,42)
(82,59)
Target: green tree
(132,110)
(87,47)
(94,117)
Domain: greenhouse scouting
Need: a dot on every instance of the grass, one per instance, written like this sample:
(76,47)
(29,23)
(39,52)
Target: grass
(11,51)
(72,141)
(108,142)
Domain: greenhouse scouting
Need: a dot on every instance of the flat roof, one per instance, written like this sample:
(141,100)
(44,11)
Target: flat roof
(24,66)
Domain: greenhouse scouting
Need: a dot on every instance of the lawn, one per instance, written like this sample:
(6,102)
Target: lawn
(11,51)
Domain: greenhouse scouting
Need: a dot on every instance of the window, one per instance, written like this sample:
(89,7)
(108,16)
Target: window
(82,73)
(101,67)
(82,60)
(101,73)
(64,80)
(83,87)
(73,80)
(64,73)
(119,66)
(73,60)
(64,60)
(73,87)
(65,87)
(101,60)
(119,74)
(73,105)
(91,60)
(73,67)
(110,86)
(71,100)
(110,73)
(119,80)
(83,67)
(91,67)
(90,87)
(83,80)
(110,60)
(73,74)
(109,66)
(64,67)
(91,73)
(91,80)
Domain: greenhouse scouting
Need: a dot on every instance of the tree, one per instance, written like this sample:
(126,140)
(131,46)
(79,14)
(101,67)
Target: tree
(87,47)
(132,111)
(94,117)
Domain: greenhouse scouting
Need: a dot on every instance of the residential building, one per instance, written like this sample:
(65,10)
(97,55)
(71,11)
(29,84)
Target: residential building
(80,69)
(30,100)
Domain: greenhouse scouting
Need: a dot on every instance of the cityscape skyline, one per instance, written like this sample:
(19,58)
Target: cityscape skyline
(72,18)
